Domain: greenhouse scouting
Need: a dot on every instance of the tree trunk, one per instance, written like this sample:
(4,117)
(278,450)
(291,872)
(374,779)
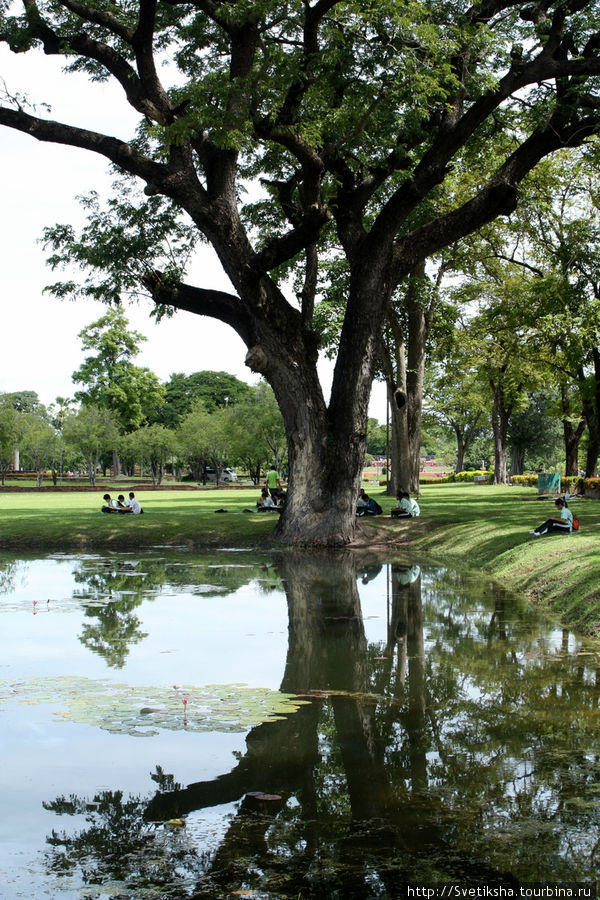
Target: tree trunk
(591,410)
(572,435)
(418,329)
(400,445)
(404,365)
(460,450)
(326,445)
(517,460)
(500,416)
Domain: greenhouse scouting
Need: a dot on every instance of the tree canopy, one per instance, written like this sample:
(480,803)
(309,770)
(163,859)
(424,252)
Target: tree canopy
(371,133)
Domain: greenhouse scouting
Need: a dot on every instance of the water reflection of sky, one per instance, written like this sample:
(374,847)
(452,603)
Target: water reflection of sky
(225,622)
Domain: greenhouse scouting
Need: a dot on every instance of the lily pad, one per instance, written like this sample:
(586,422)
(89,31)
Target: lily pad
(145,711)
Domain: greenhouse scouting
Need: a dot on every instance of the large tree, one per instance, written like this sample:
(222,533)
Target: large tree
(350,115)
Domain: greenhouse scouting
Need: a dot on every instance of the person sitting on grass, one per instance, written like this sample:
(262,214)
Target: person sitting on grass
(371,507)
(406,508)
(110,505)
(132,505)
(562,523)
(265,503)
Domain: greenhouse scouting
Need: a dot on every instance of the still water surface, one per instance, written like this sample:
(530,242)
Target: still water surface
(289,726)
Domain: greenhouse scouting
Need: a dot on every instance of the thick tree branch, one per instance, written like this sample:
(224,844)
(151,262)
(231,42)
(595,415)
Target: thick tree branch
(281,249)
(227,308)
(99,17)
(83,45)
(498,197)
(144,52)
(119,152)
(433,166)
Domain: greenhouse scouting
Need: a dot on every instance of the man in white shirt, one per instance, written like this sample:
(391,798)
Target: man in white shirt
(134,505)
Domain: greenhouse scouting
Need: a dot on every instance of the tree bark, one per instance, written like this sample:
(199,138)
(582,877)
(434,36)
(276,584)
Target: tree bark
(571,435)
(517,460)
(404,365)
(500,417)
(460,450)
(592,416)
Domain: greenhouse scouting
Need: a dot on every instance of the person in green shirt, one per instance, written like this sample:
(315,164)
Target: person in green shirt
(273,483)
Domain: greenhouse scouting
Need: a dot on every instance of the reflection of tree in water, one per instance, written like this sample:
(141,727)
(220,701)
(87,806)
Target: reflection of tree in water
(117,844)
(428,764)
(112,589)
(9,568)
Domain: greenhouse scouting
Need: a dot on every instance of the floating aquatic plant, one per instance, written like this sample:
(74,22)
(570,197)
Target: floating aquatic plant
(145,711)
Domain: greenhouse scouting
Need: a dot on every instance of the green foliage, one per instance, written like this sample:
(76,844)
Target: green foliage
(202,440)
(121,246)
(91,431)
(11,433)
(214,390)
(256,432)
(111,380)
(153,445)
(376,438)
(39,444)
(23,401)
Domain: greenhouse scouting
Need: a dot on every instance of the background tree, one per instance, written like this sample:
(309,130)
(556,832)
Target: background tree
(91,431)
(376,438)
(214,389)
(534,435)
(156,446)
(112,381)
(39,445)
(348,118)
(456,401)
(23,401)
(203,441)
(11,433)
(256,432)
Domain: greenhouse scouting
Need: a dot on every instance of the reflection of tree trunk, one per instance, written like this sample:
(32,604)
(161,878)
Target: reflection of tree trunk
(417,703)
(498,620)
(328,654)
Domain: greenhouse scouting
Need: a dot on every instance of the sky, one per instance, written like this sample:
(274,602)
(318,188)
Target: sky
(39,183)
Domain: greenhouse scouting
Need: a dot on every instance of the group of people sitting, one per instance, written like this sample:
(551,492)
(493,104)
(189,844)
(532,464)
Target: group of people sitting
(406,507)
(272,496)
(367,506)
(121,505)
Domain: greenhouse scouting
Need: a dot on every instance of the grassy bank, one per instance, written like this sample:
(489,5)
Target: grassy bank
(472,526)
(486,527)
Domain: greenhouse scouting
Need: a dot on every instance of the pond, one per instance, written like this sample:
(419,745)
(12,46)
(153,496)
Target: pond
(287,726)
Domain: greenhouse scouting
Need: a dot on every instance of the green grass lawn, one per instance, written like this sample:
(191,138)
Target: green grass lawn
(73,520)
(480,527)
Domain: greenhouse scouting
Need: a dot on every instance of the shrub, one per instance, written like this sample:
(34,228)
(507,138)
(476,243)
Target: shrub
(524,480)
(470,476)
